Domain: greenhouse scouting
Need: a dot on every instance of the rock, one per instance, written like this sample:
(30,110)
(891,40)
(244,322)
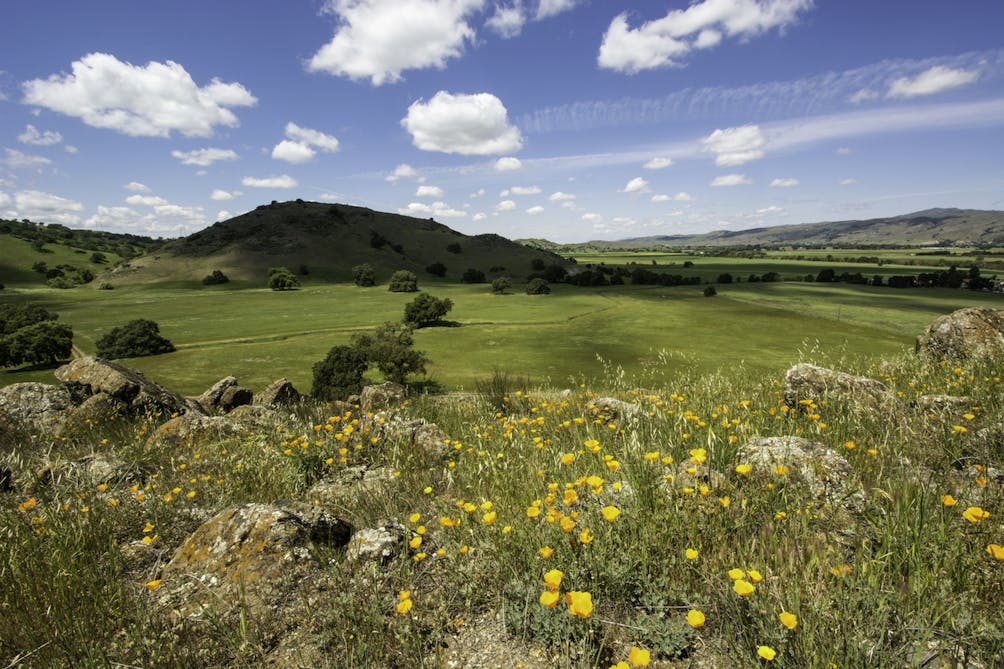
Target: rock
(609,408)
(210,400)
(84,377)
(280,394)
(942,403)
(235,397)
(376,544)
(187,429)
(91,470)
(354,482)
(962,334)
(254,415)
(253,557)
(37,408)
(382,397)
(823,470)
(809,382)
(93,414)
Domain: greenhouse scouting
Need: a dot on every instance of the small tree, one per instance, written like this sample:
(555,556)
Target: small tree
(136,338)
(340,374)
(724,278)
(710,291)
(453,247)
(217,277)
(280,278)
(500,285)
(38,343)
(537,287)
(436,269)
(472,275)
(426,310)
(390,348)
(363,275)
(403,281)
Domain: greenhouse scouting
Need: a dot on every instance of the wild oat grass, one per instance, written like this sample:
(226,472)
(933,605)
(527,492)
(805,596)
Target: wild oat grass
(585,534)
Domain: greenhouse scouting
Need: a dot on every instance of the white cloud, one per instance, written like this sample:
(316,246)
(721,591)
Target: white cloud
(862,95)
(844,151)
(16,160)
(533,211)
(507,22)
(848,182)
(429,191)
(478,193)
(558,196)
(661,198)
(731,180)
(735,146)
(46,207)
(508,164)
(658,163)
(137,187)
(679,197)
(204,157)
(436,209)
(293,152)
(70,148)
(115,219)
(4,199)
(784,183)
(592,218)
(505,205)
(663,42)
(402,171)
(480,216)
(145,200)
(683,196)
(379,39)
(467,124)
(151,101)
(771,210)
(221,195)
(524,190)
(570,205)
(281,181)
(636,185)
(223,215)
(31,135)
(315,138)
(934,80)
(548,8)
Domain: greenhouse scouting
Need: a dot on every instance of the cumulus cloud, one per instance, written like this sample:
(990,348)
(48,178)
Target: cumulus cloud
(592,218)
(507,21)
(524,190)
(505,205)
(934,80)
(151,101)
(636,185)
(137,187)
(429,191)
(402,171)
(167,219)
(731,180)
(679,197)
(221,195)
(508,164)
(31,135)
(735,146)
(204,157)
(663,42)
(223,215)
(658,163)
(300,144)
(533,211)
(468,124)
(379,39)
(4,199)
(145,200)
(661,198)
(293,152)
(281,181)
(558,196)
(772,210)
(848,182)
(16,160)
(548,8)
(436,209)
(42,206)
(784,183)
(480,216)
(844,151)
(478,193)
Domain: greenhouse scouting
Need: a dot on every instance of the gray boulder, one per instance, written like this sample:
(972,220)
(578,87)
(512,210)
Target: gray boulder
(382,397)
(821,469)
(280,393)
(809,382)
(36,408)
(970,332)
(84,377)
(376,544)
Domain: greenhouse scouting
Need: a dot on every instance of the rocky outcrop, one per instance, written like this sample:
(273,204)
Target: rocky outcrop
(84,377)
(224,396)
(35,408)
(92,414)
(280,393)
(809,382)
(382,397)
(821,469)
(964,333)
(90,471)
(351,484)
(376,544)
(609,408)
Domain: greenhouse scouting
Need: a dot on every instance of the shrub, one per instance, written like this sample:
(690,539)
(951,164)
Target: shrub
(136,338)
(500,285)
(42,342)
(537,287)
(724,278)
(453,247)
(280,278)
(340,374)
(390,348)
(426,310)
(403,281)
(217,277)
(13,317)
(436,269)
(363,275)
(710,291)
(472,275)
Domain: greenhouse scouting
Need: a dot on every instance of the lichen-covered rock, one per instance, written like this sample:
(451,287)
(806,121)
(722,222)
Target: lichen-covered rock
(351,484)
(210,400)
(84,377)
(90,471)
(809,382)
(418,434)
(382,397)
(37,408)
(186,430)
(234,397)
(821,469)
(940,403)
(280,393)
(376,544)
(93,414)
(963,333)
(609,408)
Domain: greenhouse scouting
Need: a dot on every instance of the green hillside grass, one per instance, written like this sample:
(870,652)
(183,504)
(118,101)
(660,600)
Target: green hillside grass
(17,256)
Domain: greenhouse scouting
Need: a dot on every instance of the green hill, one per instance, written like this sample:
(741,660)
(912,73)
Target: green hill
(328,240)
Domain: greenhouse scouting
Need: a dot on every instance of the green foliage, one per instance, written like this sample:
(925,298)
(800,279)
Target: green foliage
(426,310)
(537,287)
(363,275)
(13,317)
(472,275)
(500,285)
(280,278)
(710,291)
(436,269)
(135,339)
(340,374)
(389,347)
(403,281)
(216,278)
(453,247)
(44,342)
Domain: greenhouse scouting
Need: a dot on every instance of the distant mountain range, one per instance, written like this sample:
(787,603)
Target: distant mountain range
(932,227)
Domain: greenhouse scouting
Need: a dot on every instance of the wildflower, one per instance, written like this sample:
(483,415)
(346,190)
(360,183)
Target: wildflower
(415,542)
(754,575)
(568,458)
(653,456)
(691,553)
(147,540)
(620,665)
(102,487)
(570,497)
(27,505)
(780,515)
(766,652)
(532,511)
(736,574)
(552,579)
(639,657)
(418,557)
(427,490)
(789,620)
(446,521)
(960,429)
(996,551)
(743,588)
(610,513)
(948,500)
(404,602)
(152,585)
(585,536)
(724,501)
(781,470)
(546,552)
(580,604)
(695,618)
(849,445)
(489,518)
(841,570)
(549,598)
(744,469)
(698,455)
(975,514)
(567,524)
(507,529)
(148,528)
(592,445)
(415,517)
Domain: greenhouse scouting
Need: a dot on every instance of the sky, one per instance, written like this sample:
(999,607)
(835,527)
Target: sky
(569,120)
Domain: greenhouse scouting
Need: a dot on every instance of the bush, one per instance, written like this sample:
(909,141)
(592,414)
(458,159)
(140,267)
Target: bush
(217,277)
(340,374)
(453,247)
(403,281)
(39,343)
(500,285)
(710,291)
(13,317)
(390,348)
(426,310)
(137,338)
(280,278)
(363,275)
(724,278)
(436,269)
(537,287)
(472,275)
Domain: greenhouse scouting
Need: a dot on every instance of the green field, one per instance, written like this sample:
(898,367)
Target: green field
(651,332)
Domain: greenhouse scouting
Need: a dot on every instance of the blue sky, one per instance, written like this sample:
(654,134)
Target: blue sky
(565,119)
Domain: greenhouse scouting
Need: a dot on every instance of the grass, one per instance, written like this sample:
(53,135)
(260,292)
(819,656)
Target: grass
(875,578)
